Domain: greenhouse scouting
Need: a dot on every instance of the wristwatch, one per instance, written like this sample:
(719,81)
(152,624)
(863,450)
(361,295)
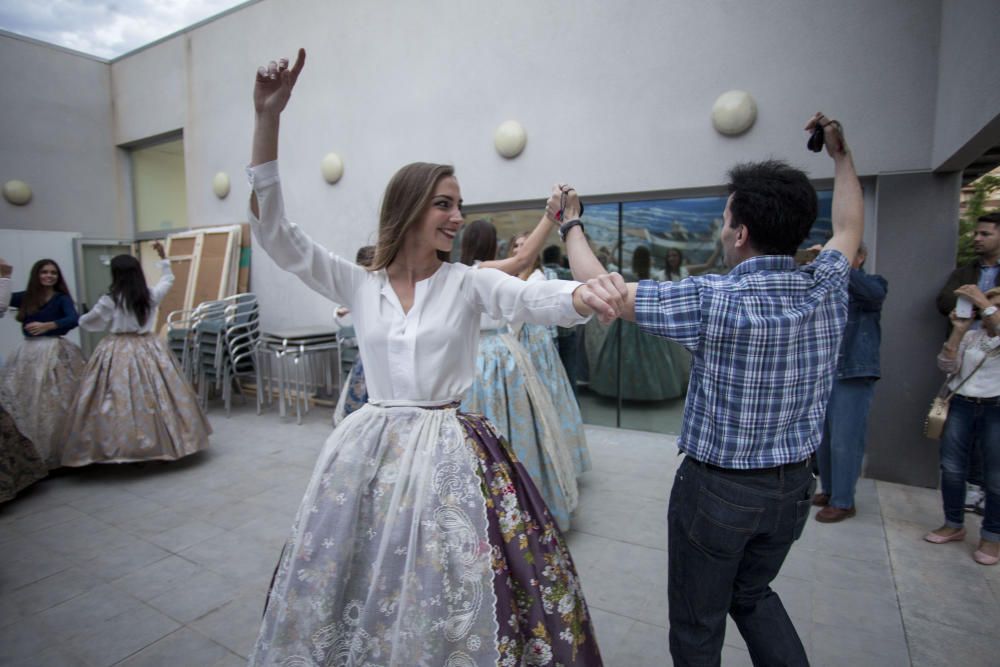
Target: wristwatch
(568,225)
(986,312)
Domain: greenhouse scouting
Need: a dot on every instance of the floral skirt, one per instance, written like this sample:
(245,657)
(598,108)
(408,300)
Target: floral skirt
(541,347)
(37,384)
(20,463)
(508,391)
(353,395)
(133,405)
(422,541)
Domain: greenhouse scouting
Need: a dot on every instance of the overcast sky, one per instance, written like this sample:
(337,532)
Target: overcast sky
(105,28)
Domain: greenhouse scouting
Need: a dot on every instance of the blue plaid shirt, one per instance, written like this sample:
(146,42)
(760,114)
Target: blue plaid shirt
(765,339)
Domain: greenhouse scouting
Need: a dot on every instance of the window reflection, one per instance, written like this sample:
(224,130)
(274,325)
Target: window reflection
(625,377)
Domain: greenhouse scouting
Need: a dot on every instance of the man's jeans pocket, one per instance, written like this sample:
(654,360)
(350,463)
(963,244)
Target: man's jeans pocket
(721,527)
(802,509)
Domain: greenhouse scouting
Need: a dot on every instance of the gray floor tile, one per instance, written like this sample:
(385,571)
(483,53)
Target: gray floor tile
(46,593)
(933,644)
(82,615)
(236,556)
(22,642)
(644,646)
(46,518)
(123,556)
(182,647)
(32,562)
(157,578)
(833,646)
(202,594)
(235,625)
(857,610)
(185,535)
(117,638)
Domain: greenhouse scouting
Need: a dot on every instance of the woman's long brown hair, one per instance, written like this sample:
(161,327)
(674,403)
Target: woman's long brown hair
(406,199)
(34,296)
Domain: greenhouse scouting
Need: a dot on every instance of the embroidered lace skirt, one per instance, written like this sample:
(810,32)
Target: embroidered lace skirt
(353,395)
(508,391)
(422,541)
(133,405)
(20,463)
(542,350)
(37,384)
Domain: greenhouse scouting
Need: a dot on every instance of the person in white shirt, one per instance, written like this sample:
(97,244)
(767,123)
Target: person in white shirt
(133,403)
(971,357)
(420,538)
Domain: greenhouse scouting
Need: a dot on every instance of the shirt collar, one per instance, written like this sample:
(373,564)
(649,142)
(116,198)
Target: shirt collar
(764,263)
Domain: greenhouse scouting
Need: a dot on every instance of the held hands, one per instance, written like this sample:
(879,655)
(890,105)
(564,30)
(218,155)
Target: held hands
(563,204)
(158,247)
(605,295)
(975,295)
(38,328)
(833,134)
(274,83)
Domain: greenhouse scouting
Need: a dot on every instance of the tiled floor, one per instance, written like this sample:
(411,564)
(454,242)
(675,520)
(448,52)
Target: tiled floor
(167,564)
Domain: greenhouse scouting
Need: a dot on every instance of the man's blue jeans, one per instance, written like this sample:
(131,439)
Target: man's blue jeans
(969,420)
(843,446)
(728,534)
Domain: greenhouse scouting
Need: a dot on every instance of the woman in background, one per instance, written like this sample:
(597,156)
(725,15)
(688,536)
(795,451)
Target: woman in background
(540,343)
(354,393)
(42,376)
(134,404)
(508,390)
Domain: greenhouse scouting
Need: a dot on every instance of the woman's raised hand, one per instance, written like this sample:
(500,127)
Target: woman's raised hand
(274,83)
(158,247)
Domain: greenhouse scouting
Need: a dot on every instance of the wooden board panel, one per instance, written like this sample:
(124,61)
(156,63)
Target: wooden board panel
(211,279)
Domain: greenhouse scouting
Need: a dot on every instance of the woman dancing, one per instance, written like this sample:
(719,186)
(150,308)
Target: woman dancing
(420,540)
(42,376)
(508,390)
(134,404)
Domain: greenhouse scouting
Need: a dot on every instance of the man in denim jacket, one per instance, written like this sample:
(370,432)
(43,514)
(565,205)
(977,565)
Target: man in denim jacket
(843,446)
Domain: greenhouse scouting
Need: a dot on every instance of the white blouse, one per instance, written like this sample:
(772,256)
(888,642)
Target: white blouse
(429,353)
(122,320)
(975,345)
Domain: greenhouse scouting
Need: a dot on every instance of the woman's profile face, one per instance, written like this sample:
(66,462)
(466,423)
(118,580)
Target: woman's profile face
(518,244)
(443,217)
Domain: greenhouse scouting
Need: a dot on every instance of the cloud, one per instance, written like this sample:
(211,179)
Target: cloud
(105,29)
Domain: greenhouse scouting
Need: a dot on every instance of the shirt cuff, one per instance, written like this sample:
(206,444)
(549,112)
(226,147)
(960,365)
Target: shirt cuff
(565,300)
(262,175)
(647,300)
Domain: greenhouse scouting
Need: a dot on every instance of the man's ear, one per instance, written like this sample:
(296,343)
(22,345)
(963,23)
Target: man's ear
(742,236)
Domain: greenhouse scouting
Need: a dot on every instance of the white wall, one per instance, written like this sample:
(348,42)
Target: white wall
(615,98)
(55,134)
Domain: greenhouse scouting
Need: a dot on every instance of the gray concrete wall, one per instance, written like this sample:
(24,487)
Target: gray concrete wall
(55,135)
(916,238)
(968,102)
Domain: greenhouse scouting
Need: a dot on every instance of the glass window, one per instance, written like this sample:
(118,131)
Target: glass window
(624,377)
(158,187)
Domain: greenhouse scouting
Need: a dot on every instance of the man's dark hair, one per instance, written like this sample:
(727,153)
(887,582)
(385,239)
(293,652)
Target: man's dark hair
(992,216)
(551,255)
(775,201)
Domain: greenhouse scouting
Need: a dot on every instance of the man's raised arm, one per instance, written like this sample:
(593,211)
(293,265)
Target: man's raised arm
(848,201)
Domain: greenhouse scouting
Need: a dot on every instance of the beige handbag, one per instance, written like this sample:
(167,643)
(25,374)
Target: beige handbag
(938,414)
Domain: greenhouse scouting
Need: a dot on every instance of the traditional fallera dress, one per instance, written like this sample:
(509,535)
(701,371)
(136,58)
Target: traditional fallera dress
(509,393)
(20,463)
(538,340)
(133,404)
(421,539)
(40,379)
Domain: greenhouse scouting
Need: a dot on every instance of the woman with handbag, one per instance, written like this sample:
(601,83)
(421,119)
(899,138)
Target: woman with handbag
(971,357)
